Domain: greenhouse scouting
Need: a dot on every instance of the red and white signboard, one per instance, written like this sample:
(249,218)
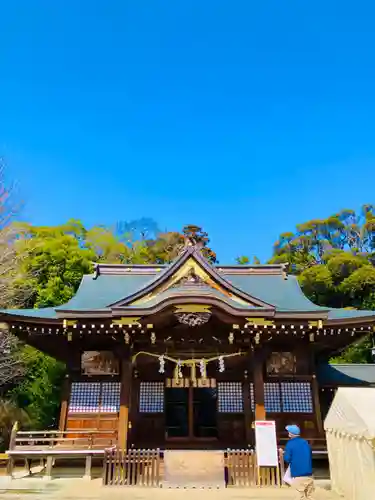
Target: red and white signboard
(266,443)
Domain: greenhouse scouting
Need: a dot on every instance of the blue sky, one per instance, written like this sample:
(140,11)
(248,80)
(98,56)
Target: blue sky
(243,117)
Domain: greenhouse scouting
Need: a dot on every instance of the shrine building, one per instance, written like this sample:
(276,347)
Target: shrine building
(188,355)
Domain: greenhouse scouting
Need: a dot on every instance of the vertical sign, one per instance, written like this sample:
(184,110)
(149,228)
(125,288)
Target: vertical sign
(266,444)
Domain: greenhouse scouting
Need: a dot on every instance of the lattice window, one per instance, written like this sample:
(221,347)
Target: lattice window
(151,397)
(84,397)
(229,395)
(95,397)
(285,397)
(272,397)
(297,397)
(110,400)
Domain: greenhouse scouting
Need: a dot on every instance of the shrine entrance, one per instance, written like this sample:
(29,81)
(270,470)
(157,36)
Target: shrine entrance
(191,413)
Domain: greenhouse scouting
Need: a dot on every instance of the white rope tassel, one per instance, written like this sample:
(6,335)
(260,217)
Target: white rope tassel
(162,364)
(202,368)
(221,364)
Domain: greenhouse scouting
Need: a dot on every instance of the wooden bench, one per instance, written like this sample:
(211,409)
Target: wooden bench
(48,446)
(50,456)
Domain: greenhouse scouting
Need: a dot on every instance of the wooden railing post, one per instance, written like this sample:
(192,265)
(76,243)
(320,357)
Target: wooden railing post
(282,466)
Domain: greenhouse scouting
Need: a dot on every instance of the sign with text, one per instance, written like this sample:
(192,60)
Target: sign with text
(266,443)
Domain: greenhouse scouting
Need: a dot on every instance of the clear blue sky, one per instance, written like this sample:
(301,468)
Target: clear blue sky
(244,117)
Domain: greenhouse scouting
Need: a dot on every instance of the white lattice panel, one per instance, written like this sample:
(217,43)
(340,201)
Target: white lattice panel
(229,396)
(110,400)
(272,397)
(151,397)
(297,397)
(84,397)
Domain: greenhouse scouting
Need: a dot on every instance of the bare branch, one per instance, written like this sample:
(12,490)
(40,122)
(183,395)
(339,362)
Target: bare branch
(12,361)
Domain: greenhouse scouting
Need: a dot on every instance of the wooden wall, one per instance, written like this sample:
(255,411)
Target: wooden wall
(234,428)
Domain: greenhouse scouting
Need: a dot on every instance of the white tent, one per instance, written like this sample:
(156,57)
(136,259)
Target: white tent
(350,431)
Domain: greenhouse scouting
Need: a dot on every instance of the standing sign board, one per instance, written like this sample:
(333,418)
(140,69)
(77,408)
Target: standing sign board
(266,444)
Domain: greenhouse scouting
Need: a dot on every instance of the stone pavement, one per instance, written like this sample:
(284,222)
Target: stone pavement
(64,489)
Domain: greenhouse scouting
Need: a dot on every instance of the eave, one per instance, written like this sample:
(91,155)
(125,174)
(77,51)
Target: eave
(350,321)
(20,318)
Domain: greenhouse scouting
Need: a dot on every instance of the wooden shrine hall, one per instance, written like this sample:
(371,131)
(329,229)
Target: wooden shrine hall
(189,355)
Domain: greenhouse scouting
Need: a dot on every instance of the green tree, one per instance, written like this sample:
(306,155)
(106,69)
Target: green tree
(39,391)
(243,260)
(55,262)
(333,259)
(313,240)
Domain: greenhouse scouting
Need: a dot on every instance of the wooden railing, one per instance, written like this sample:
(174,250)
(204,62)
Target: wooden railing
(133,468)
(318,445)
(241,470)
(62,440)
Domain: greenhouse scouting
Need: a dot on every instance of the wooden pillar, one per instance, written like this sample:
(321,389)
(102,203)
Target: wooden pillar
(125,397)
(258,362)
(65,396)
(247,409)
(316,400)
(315,393)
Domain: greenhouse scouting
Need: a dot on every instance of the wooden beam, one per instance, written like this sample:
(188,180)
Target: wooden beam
(258,361)
(125,398)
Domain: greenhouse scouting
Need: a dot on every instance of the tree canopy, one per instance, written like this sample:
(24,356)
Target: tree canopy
(314,240)
(333,259)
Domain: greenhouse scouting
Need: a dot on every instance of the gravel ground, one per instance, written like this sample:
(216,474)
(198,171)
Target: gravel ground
(64,489)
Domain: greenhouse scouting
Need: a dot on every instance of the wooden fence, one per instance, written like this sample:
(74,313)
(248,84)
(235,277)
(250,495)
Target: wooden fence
(145,468)
(133,468)
(241,470)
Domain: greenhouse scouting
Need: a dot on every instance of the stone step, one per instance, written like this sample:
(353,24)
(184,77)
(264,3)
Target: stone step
(193,469)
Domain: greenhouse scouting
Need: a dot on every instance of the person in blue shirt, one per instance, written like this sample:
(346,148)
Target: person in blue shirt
(298,455)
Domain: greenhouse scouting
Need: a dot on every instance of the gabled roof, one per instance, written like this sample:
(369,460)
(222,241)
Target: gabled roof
(241,290)
(192,261)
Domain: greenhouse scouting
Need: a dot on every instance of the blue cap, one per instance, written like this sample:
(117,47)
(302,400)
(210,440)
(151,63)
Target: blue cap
(293,429)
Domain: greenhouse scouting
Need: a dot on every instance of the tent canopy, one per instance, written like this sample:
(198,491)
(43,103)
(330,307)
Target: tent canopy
(353,412)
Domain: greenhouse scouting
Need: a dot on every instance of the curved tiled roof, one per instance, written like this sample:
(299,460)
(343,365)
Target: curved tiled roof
(253,286)
(282,293)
